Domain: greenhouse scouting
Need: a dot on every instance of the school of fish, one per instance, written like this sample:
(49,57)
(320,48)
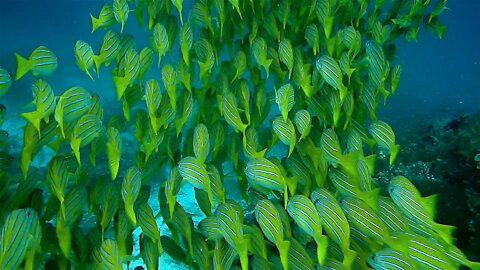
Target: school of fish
(279,95)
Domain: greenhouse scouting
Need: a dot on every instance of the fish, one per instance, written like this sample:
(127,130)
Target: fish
(285,131)
(298,257)
(230,221)
(305,215)
(169,79)
(312,38)
(179,6)
(200,15)
(184,75)
(421,209)
(57,176)
(45,102)
(148,224)
(285,52)
(251,145)
(145,62)
(127,42)
(269,220)
(114,151)
(172,187)
(105,17)
(384,136)
(149,252)
(85,131)
(236,5)
(231,113)
(259,52)
(206,56)
(303,78)
(395,78)
(285,98)
(131,184)
(41,62)
(389,213)
(303,122)
(240,64)
(107,256)
(195,172)
(269,23)
(352,39)
(153,98)
(181,224)
(160,41)
(223,255)
(128,72)
(108,51)
(210,229)
(390,259)
(84,57)
(330,145)
(120,12)
(186,42)
(187,112)
(201,142)
(330,71)
(5,81)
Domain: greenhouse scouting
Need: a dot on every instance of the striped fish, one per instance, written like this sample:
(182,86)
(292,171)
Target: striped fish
(354,142)
(251,145)
(376,59)
(105,17)
(330,145)
(114,151)
(107,256)
(421,209)
(108,51)
(425,254)
(395,78)
(298,257)
(352,39)
(169,79)
(153,99)
(148,224)
(187,110)
(84,57)
(179,5)
(297,167)
(86,130)
(128,71)
(285,98)
(345,66)
(257,243)
(45,103)
(181,224)
(362,216)
(110,199)
(303,122)
(200,255)
(455,254)
(270,223)
(145,62)
(149,252)
(269,23)
(16,237)
(231,113)
(334,222)
(132,180)
(259,52)
(172,187)
(210,228)
(5,81)
(303,78)
(384,136)
(313,38)
(201,142)
(303,212)
(184,75)
(195,172)
(223,255)
(240,64)
(57,177)
(206,56)
(200,15)
(127,42)
(365,181)
(186,42)
(41,62)
(160,41)
(72,105)
(120,12)
(389,213)
(230,220)
(264,173)
(285,131)
(285,52)
(332,74)
(216,183)
(390,259)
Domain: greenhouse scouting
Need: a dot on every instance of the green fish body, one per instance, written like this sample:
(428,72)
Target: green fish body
(42,62)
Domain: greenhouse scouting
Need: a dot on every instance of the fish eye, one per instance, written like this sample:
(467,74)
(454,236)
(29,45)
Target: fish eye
(390,189)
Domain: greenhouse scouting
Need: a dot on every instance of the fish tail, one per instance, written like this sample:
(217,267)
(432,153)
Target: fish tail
(23,66)
(267,65)
(75,145)
(121,84)
(348,258)
(371,198)
(283,249)
(292,184)
(98,60)
(34,118)
(95,23)
(322,245)
(25,159)
(130,213)
(370,161)
(393,153)
(474,265)
(446,232)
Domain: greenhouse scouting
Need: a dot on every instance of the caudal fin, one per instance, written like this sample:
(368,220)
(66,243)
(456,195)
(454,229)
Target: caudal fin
(393,153)
(446,232)
(23,66)
(34,118)
(121,84)
(95,23)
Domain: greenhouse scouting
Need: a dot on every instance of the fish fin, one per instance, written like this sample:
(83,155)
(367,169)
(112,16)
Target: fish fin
(370,160)
(393,153)
(348,258)
(446,232)
(322,245)
(267,65)
(23,66)
(34,118)
(75,145)
(430,204)
(343,91)
(349,162)
(371,198)
(121,84)
(130,212)
(98,60)
(292,184)
(95,23)
(474,265)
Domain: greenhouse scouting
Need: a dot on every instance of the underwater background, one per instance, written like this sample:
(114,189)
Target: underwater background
(435,111)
